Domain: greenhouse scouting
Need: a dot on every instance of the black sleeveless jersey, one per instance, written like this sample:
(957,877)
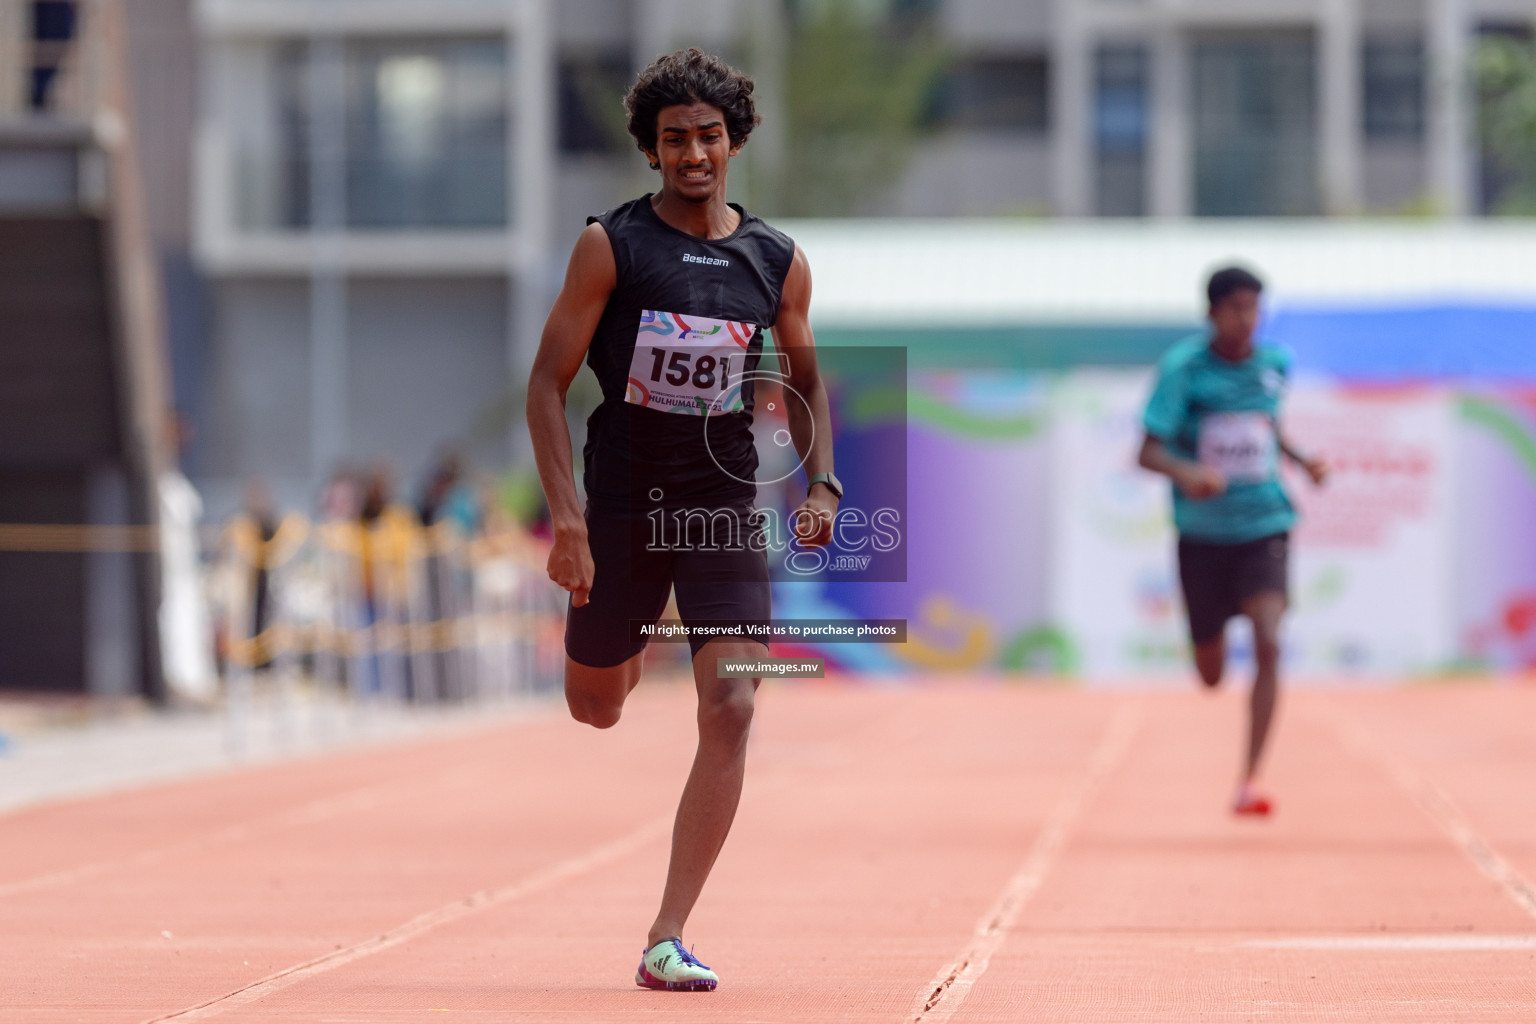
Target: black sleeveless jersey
(674,353)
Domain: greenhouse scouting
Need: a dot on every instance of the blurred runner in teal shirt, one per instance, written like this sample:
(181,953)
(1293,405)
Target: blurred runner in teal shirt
(1213,428)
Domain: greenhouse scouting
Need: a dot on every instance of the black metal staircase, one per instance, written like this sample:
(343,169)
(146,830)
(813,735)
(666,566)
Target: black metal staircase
(83,374)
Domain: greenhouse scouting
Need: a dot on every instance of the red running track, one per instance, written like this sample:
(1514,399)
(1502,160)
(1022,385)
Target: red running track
(957,852)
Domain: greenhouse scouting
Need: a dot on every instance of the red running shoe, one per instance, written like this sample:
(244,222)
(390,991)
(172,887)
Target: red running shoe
(1251,802)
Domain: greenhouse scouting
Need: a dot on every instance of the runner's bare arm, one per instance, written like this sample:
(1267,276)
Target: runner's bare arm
(1315,466)
(810,424)
(589,280)
(1191,477)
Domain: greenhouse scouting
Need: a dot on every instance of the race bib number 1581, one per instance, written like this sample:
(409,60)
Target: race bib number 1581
(688,364)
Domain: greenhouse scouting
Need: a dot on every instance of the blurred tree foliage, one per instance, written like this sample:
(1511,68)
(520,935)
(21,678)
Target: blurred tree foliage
(1506,77)
(859,78)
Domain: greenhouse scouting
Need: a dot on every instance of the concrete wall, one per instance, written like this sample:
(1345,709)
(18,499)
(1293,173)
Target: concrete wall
(428,367)
(974,174)
(1393,174)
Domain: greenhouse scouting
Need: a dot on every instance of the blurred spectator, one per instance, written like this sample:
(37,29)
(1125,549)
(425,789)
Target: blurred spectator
(386,535)
(340,501)
(449,496)
(186,637)
(261,517)
(449,499)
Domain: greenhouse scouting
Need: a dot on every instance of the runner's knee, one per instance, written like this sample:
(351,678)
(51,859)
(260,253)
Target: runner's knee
(596,713)
(1266,650)
(727,714)
(1210,662)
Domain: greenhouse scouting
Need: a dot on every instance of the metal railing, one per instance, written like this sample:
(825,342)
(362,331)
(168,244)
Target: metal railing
(340,614)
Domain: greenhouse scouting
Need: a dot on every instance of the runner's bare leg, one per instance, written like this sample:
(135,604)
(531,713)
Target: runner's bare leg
(1264,610)
(596,695)
(1211,660)
(713,791)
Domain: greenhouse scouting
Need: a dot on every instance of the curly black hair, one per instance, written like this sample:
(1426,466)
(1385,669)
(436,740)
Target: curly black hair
(686,77)
(1231,279)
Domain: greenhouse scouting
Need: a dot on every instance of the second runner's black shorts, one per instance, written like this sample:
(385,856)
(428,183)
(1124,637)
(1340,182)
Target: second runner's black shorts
(716,573)
(1218,578)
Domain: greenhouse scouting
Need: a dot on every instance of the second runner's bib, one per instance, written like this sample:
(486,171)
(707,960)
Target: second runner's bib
(1240,445)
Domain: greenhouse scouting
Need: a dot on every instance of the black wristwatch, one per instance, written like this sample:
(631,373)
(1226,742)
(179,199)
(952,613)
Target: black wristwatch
(833,483)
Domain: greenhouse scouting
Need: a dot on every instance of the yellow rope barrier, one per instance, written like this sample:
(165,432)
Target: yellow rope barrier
(399,542)
(437,637)
(78,538)
(394,545)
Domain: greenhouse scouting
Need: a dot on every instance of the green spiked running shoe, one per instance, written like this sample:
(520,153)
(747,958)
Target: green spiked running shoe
(667,965)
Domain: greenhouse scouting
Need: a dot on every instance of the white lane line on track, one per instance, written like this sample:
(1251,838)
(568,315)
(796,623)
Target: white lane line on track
(1407,943)
(561,871)
(945,994)
(1440,809)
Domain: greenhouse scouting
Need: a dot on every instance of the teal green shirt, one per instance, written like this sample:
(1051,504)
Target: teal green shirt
(1224,414)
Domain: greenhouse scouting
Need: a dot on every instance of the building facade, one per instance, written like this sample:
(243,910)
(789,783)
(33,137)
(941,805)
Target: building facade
(382,192)
(1173,108)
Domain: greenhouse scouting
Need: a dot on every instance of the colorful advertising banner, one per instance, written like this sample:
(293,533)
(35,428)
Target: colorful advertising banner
(1036,544)
(1372,572)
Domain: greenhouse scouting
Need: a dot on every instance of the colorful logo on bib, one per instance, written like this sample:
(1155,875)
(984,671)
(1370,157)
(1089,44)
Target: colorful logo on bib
(688,364)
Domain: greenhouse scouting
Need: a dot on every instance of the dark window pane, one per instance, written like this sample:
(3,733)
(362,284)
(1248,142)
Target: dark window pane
(53,20)
(1120,130)
(426,133)
(1255,125)
(995,92)
(591,93)
(1394,89)
(292,81)
(1496,180)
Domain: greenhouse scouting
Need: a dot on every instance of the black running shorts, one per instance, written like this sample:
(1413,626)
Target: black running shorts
(716,573)
(1218,578)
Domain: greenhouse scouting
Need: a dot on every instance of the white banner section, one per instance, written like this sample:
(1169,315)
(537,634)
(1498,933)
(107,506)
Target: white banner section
(1371,573)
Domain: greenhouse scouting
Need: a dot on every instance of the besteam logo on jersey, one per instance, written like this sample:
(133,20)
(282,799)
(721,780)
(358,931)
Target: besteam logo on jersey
(688,364)
(711,261)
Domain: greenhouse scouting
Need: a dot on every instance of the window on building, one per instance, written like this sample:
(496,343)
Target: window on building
(425,138)
(591,94)
(1120,129)
(1394,89)
(998,93)
(53,29)
(1498,182)
(1255,114)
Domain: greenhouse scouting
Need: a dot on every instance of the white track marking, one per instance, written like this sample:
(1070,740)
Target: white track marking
(1434,802)
(561,871)
(944,995)
(1409,943)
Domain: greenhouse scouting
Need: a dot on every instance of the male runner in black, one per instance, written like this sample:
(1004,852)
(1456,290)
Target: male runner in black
(666,298)
(1213,428)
